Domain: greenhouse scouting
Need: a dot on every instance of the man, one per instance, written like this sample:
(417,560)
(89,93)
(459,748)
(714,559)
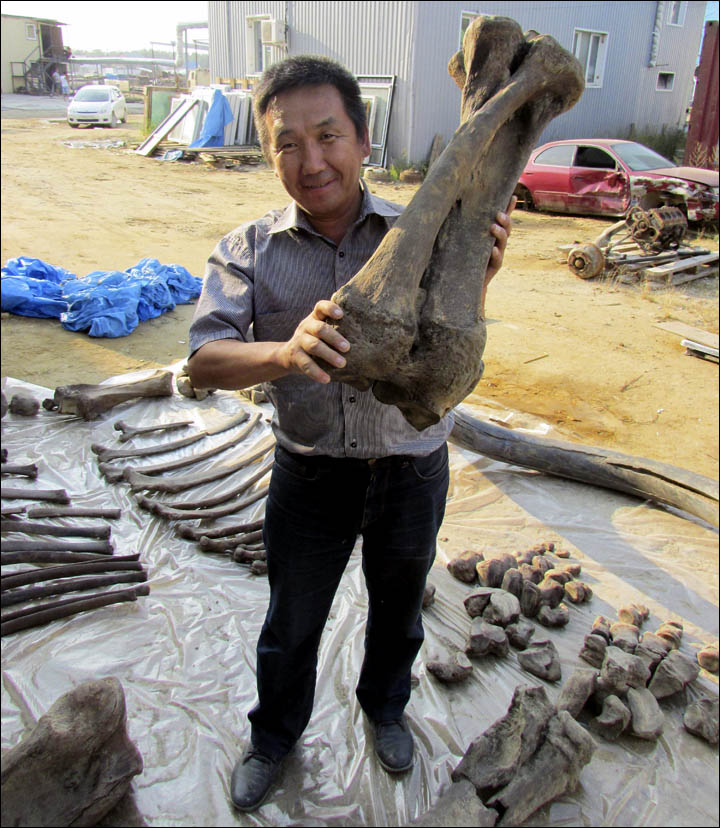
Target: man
(345,465)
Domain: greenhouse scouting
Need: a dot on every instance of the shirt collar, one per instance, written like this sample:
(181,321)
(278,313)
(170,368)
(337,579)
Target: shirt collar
(292,217)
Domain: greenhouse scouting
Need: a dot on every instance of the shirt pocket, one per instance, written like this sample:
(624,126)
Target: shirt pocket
(278,326)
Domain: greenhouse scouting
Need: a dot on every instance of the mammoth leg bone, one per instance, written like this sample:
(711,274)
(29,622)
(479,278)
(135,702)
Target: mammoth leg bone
(90,401)
(33,528)
(30,470)
(412,313)
(55,495)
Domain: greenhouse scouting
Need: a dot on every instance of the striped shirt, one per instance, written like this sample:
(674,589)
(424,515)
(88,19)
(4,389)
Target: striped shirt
(261,280)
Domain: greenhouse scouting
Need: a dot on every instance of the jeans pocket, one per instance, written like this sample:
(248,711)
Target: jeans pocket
(295,465)
(431,466)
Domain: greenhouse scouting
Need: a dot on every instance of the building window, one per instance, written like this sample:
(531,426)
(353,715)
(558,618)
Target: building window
(466,19)
(258,50)
(30,31)
(590,49)
(676,13)
(665,81)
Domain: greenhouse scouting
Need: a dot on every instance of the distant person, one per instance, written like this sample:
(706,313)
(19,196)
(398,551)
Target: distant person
(56,86)
(65,86)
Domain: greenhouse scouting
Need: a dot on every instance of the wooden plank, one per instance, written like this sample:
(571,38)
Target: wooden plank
(165,127)
(711,340)
(702,273)
(673,267)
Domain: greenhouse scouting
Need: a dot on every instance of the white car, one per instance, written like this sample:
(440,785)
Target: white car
(97,104)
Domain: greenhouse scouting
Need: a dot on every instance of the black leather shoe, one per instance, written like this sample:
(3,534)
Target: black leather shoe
(394,745)
(251,779)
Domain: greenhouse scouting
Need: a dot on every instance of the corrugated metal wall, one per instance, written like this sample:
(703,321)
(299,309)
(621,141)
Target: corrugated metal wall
(415,40)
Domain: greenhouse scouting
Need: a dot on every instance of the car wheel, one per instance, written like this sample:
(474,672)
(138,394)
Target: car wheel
(524,197)
(113,121)
(73,126)
(123,120)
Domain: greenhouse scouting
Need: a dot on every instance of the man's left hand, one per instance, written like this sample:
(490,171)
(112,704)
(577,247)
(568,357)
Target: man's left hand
(501,230)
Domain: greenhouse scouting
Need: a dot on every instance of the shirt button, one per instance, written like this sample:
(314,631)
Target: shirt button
(341,254)
(351,399)
(353,444)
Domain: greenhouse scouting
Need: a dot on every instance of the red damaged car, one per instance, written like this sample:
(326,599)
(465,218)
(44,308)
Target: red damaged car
(605,177)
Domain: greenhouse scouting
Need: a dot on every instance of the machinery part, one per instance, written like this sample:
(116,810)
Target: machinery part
(586,261)
(659,229)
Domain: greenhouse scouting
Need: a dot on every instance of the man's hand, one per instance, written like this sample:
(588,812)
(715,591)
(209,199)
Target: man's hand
(501,230)
(315,339)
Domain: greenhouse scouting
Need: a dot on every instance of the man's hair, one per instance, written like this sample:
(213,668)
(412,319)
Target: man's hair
(306,70)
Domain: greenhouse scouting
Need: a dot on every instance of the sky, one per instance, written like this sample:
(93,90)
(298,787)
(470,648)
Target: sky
(132,24)
(116,26)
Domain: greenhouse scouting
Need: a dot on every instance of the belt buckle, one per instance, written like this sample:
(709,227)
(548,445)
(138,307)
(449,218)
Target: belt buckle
(372,461)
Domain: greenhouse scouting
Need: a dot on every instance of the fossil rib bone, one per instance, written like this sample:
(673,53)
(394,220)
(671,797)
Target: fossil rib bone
(128,431)
(106,453)
(31,528)
(104,547)
(188,532)
(227,544)
(56,495)
(39,556)
(30,470)
(74,511)
(90,401)
(30,593)
(36,616)
(196,510)
(188,481)
(412,313)
(32,576)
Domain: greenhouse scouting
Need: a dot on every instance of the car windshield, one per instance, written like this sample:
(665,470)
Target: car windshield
(639,158)
(93,95)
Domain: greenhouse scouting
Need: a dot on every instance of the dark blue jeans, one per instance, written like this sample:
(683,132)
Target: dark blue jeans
(316,508)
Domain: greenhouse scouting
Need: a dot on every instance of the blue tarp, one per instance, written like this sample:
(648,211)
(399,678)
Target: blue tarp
(218,117)
(105,303)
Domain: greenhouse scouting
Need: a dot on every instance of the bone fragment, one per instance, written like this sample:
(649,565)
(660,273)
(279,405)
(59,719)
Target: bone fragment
(38,556)
(464,567)
(187,389)
(196,510)
(55,495)
(701,719)
(31,528)
(541,658)
(184,530)
(227,544)
(104,547)
(451,672)
(708,658)
(74,511)
(76,763)
(11,511)
(128,431)
(134,474)
(412,313)
(180,483)
(37,616)
(33,576)
(29,470)
(258,568)
(106,453)
(90,401)
(242,554)
(30,593)
(24,405)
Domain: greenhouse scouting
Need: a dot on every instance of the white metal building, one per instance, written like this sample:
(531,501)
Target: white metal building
(639,57)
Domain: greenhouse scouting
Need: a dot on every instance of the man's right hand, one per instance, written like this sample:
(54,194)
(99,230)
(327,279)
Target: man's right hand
(315,339)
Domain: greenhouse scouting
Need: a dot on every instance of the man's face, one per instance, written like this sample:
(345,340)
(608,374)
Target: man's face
(316,151)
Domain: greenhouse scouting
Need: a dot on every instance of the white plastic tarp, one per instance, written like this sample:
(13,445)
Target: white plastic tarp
(185,654)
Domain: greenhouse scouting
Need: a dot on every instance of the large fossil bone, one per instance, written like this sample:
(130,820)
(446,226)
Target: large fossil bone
(29,470)
(412,313)
(90,401)
(43,545)
(32,576)
(16,596)
(188,532)
(204,509)
(74,511)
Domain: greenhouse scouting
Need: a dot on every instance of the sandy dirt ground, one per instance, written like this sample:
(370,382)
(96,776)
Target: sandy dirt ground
(584,356)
